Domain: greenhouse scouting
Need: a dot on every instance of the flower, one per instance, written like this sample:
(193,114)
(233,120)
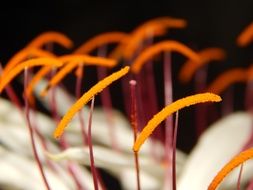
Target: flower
(103,137)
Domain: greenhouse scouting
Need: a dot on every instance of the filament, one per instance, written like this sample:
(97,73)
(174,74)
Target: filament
(86,97)
(170,109)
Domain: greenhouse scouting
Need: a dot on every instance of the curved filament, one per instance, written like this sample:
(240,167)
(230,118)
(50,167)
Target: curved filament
(73,62)
(164,22)
(170,109)
(100,40)
(154,27)
(233,163)
(169,45)
(86,97)
(30,63)
(226,79)
(51,37)
(207,55)
(128,46)
(23,55)
(246,36)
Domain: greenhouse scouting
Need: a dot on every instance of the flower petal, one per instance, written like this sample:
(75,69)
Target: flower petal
(223,140)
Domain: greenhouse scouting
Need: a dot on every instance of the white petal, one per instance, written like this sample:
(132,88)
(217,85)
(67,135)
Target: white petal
(16,138)
(108,159)
(25,174)
(128,180)
(63,99)
(221,141)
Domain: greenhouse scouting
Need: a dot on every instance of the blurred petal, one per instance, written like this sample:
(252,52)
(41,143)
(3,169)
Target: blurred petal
(221,141)
(23,173)
(116,162)
(128,180)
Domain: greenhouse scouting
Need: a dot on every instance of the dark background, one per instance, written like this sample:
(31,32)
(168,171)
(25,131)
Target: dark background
(210,23)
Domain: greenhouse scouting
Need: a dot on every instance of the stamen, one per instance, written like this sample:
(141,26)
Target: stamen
(157,26)
(128,47)
(226,79)
(164,22)
(134,125)
(168,110)
(233,163)
(207,55)
(30,63)
(246,36)
(101,40)
(89,60)
(23,55)
(51,37)
(159,47)
(74,61)
(86,97)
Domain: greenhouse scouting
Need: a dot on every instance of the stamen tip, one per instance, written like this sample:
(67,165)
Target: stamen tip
(132,82)
(57,134)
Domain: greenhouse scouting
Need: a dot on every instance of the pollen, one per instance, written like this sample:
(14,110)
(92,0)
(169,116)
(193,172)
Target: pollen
(170,109)
(227,78)
(169,45)
(86,98)
(246,37)
(23,55)
(74,61)
(207,55)
(26,64)
(51,37)
(100,40)
(154,27)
